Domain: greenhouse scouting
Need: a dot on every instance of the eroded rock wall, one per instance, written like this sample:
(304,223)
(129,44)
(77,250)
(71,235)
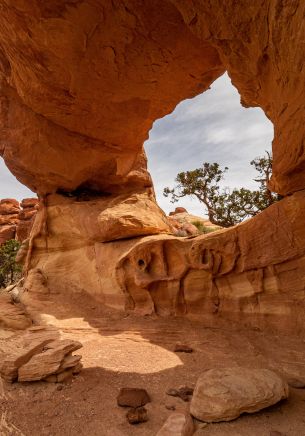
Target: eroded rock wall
(253,273)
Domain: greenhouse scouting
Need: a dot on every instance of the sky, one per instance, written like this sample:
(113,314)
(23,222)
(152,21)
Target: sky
(212,127)
(10,187)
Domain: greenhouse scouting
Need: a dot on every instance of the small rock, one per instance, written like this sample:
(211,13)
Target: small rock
(182,348)
(172,392)
(170,406)
(276,433)
(177,424)
(59,387)
(184,392)
(137,415)
(133,397)
(296,383)
(224,394)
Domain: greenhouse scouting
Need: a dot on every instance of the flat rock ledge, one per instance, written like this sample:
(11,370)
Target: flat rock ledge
(224,394)
(39,354)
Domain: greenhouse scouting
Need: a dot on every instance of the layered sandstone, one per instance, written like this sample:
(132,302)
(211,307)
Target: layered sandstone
(39,354)
(82,84)
(16,219)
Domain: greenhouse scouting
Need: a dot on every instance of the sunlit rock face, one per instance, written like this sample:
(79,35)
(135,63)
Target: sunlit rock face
(81,84)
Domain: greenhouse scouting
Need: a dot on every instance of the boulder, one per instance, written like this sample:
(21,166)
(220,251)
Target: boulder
(137,215)
(177,424)
(224,394)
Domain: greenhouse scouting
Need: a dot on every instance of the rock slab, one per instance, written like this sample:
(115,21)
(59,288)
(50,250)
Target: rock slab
(38,354)
(133,397)
(177,424)
(224,394)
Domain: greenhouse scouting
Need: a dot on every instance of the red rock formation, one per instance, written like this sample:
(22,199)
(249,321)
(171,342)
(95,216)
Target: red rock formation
(81,85)
(178,210)
(9,210)
(16,220)
(26,217)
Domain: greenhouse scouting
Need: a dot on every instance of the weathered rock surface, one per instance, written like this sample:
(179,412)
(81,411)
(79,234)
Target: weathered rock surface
(77,102)
(137,215)
(224,394)
(12,315)
(177,424)
(16,219)
(55,358)
(39,355)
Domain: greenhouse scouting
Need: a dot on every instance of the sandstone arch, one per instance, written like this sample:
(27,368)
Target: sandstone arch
(81,84)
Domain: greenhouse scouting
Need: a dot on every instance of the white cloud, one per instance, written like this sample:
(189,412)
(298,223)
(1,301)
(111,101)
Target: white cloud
(212,127)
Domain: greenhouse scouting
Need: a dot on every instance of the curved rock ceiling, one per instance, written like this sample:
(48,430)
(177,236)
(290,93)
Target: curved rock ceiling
(83,81)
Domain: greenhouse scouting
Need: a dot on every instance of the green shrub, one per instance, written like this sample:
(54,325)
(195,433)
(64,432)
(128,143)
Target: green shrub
(10,271)
(202,228)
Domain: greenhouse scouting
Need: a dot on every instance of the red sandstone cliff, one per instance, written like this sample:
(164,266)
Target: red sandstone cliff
(16,219)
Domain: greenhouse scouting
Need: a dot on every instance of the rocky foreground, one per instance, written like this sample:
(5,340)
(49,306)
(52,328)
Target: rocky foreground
(137,380)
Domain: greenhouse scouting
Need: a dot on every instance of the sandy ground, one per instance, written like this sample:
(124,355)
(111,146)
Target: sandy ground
(128,351)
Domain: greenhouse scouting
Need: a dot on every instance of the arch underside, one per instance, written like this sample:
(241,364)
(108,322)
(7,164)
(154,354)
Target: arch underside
(82,83)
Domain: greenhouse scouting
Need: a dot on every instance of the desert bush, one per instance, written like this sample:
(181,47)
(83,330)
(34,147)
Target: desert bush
(10,270)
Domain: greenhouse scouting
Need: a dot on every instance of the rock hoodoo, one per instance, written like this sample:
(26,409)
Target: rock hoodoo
(82,84)
(16,219)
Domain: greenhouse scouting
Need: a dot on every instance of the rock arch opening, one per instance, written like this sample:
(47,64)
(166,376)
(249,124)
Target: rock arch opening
(211,127)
